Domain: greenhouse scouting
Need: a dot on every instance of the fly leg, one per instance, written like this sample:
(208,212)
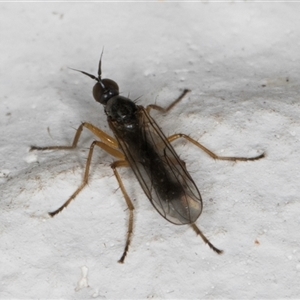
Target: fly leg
(214,156)
(109,145)
(179,135)
(115,165)
(107,139)
(205,239)
(106,148)
(165,110)
(210,153)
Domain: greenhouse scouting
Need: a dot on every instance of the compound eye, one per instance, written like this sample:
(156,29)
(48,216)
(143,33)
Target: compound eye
(110,85)
(98,92)
(105,90)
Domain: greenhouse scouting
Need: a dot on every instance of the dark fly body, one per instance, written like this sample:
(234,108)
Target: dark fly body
(139,143)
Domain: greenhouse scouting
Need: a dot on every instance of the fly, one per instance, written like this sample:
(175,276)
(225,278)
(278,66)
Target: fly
(139,143)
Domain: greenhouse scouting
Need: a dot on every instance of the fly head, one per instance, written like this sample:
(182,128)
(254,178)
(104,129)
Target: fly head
(105,88)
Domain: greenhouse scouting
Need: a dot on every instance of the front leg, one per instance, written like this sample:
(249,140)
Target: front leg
(165,110)
(105,138)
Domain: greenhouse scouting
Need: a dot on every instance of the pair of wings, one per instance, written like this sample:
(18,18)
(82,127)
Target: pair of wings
(159,170)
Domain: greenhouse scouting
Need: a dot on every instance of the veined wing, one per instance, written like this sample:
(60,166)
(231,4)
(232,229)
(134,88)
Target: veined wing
(159,170)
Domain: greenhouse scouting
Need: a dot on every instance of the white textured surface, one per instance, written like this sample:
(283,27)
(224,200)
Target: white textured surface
(241,61)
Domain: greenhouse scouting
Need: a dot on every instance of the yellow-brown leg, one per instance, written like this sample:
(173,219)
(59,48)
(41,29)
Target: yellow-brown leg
(214,156)
(205,239)
(210,153)
(104,137)
(115,165)
(105,147)
(179,135)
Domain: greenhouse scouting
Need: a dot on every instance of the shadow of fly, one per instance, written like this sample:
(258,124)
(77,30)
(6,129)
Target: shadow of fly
(139,143)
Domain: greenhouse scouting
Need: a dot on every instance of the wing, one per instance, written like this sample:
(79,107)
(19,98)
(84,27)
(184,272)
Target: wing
(162,175)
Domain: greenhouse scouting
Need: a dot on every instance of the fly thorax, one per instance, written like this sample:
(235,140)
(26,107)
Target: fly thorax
(122,110)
